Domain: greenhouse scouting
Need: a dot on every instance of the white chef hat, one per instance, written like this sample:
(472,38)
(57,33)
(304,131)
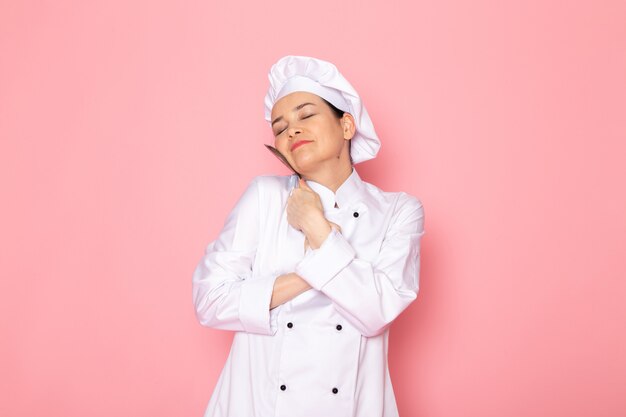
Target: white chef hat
(302,73)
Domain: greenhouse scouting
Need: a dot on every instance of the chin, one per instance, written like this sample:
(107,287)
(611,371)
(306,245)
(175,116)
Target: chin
(304,163)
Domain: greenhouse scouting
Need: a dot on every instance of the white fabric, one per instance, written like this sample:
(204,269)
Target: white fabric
(301,73)
(362,277)
(301,83)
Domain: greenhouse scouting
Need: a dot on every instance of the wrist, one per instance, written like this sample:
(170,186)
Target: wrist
(317,233)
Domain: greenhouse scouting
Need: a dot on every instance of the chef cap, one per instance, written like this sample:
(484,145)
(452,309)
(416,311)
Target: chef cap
(301,73)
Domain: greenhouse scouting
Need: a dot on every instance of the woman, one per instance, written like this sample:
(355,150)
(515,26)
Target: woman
(311,272)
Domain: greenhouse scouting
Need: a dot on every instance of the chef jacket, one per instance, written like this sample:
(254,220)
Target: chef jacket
(324,352)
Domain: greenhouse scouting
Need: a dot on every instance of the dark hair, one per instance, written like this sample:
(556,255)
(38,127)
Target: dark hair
(339,114)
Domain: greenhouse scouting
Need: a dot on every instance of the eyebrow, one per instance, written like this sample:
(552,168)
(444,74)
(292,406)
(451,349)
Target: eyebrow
(298,107)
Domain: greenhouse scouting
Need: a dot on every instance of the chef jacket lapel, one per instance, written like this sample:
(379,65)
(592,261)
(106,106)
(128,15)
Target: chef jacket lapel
(349,200)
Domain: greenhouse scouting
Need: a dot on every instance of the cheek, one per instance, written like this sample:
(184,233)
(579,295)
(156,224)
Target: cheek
(280,143)
(335,137)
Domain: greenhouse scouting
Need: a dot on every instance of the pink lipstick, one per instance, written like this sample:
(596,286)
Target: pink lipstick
(299,143)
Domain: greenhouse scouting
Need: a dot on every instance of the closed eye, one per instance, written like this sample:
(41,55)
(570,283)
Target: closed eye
(303,117)
(280,131)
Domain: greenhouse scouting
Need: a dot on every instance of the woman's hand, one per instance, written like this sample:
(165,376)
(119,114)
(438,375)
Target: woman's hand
(332,225)
(287,287)
(306,213)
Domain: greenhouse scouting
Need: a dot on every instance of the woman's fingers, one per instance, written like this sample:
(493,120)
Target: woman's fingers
(303,202)
(335,226)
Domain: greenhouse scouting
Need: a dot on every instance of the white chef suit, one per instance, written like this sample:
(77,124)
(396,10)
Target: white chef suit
(323,353)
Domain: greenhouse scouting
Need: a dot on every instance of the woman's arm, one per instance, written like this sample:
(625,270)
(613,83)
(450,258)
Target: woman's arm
(370,294)
(291,285)
(225,296)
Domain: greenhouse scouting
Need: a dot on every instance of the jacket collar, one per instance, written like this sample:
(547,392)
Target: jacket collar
(346,194)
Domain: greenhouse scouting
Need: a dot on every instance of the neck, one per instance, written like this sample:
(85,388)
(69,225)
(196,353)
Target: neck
(330,177)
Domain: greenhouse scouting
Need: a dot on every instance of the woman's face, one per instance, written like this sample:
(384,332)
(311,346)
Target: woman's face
(308,134)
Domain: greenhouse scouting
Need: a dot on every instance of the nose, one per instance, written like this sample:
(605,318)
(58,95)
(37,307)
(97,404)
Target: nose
(294,131)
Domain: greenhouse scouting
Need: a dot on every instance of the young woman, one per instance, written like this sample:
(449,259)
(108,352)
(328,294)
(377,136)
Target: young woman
(310,272)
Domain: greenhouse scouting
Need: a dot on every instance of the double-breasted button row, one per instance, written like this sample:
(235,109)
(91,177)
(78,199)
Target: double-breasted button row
(338,327)
(284,387)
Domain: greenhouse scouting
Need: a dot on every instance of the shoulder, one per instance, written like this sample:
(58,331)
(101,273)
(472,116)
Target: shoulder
(404,208)
(272,187)
(262,192)
(399,200)
(274,182)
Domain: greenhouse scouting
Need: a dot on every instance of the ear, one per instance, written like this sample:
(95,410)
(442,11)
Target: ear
(348,126)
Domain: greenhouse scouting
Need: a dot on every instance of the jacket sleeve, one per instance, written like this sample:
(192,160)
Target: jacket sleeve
(225,293)
(370,295)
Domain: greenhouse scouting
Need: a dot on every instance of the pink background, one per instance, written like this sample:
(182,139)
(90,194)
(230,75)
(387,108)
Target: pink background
(129,129)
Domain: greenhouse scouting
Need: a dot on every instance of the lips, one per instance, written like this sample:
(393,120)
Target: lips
(299,143)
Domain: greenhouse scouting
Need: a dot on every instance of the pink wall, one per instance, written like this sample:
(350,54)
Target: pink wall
(127,131)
